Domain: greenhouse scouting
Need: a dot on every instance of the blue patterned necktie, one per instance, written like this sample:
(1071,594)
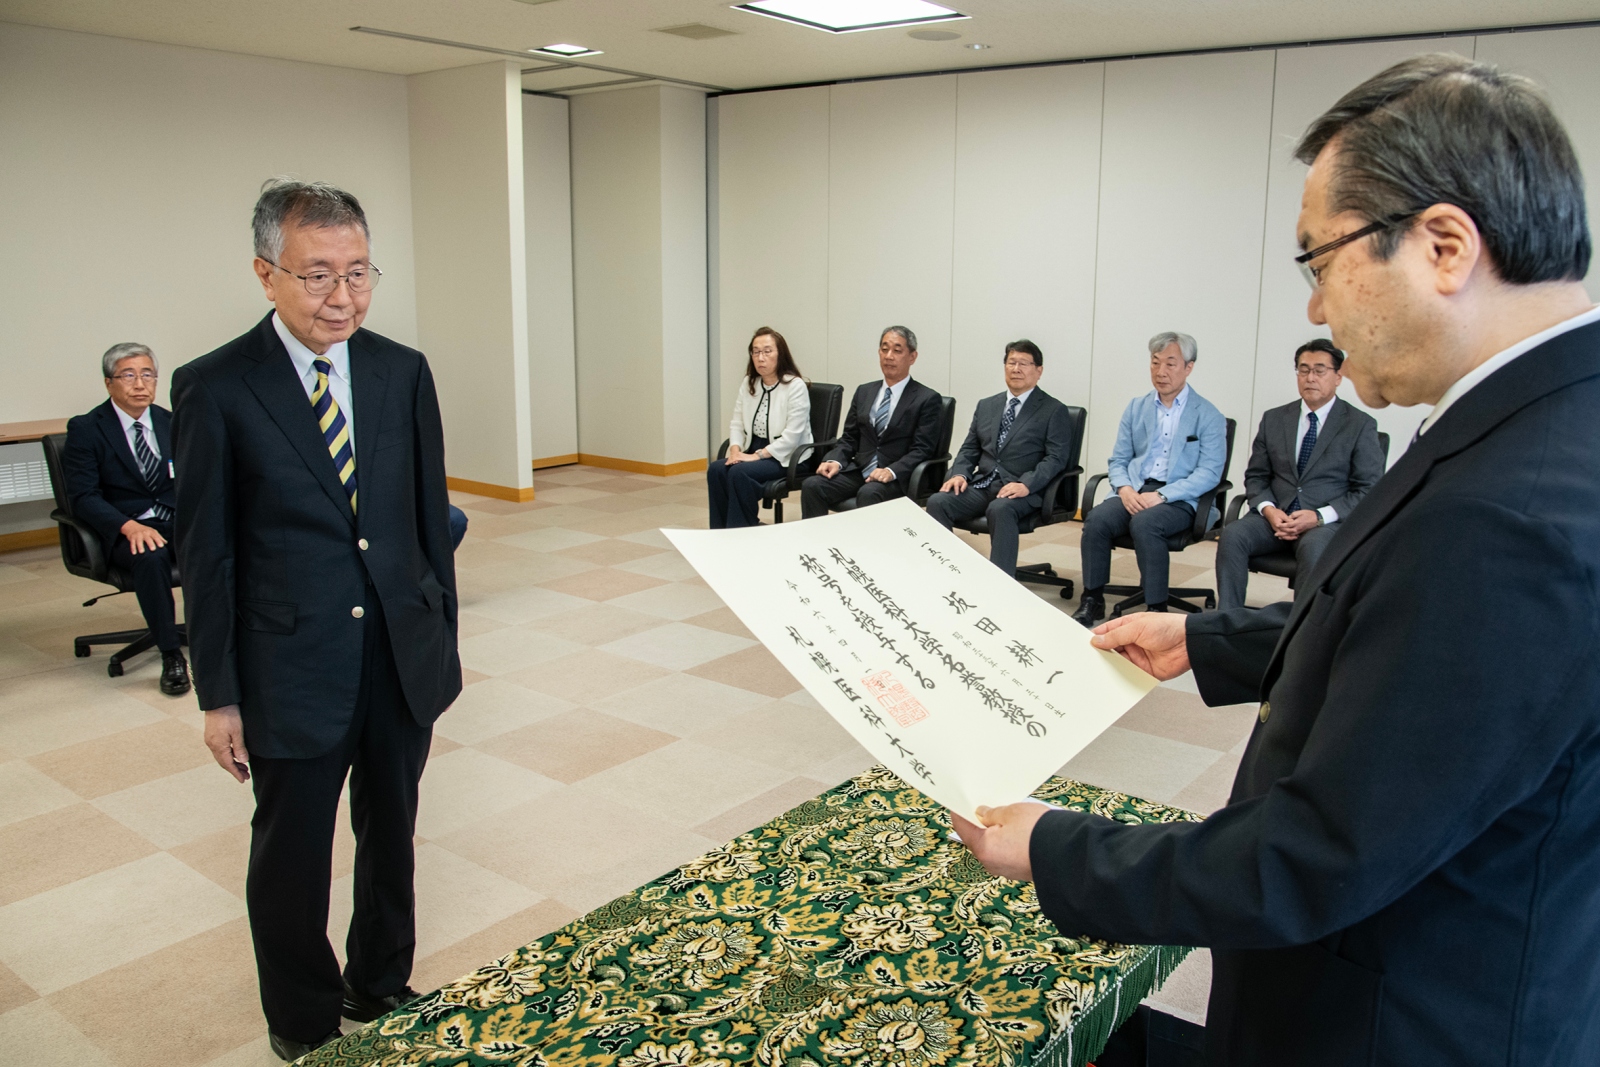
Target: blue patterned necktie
(880,421)
(334,431)
(1307,443)
(150,467)
(1006,421)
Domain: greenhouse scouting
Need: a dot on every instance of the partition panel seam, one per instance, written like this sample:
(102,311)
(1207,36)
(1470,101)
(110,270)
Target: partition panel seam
(1094,284)
(1261,273)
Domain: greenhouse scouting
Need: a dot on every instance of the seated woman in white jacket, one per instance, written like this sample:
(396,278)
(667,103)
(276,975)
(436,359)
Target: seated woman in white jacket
(771,420)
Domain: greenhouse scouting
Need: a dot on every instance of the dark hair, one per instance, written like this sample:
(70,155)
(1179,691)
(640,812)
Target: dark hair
(786,367)
(1320,344)
(1441,129)
(286,202)
(1026,347)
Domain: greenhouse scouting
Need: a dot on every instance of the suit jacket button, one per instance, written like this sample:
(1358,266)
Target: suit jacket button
(359,611)
(362,544)
(1266,705)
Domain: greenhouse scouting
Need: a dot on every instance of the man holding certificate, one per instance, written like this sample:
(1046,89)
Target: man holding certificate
(1408,870)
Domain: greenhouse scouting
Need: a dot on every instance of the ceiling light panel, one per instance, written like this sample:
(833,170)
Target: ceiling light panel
(852,16)
(567,51)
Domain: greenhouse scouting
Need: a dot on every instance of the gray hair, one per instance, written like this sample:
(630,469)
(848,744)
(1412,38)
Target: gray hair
(1442,129)
(285,200)
(1185,344)
(905,335)
(126,350)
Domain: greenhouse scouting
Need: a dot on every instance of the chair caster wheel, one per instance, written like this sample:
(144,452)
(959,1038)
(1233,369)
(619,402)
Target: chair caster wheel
(1066,592)
(1211,603)
(81,651)
(114,669)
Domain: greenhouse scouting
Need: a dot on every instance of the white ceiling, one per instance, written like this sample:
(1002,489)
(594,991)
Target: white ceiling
(764,52)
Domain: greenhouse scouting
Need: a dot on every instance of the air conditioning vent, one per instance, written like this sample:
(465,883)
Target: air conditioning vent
(695,31)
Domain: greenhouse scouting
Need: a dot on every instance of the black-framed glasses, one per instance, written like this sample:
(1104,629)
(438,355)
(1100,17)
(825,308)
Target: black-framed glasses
(323,282)
(1313,275)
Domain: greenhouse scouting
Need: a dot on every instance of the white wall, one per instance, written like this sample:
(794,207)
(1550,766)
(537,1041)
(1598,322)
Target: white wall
(552,353)
(128,172)
(472,295)
(1087,207)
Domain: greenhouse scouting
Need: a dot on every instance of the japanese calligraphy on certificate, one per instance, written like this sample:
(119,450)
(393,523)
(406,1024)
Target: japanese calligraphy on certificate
(957,678)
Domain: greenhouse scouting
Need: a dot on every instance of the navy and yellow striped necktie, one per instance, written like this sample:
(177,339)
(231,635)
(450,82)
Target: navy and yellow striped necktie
(331,420)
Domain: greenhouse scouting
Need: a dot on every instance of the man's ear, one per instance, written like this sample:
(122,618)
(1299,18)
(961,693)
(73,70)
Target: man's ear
(1452,246)
(266,275)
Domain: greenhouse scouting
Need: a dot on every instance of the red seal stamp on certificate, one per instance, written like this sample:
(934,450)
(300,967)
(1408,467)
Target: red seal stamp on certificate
(895,698)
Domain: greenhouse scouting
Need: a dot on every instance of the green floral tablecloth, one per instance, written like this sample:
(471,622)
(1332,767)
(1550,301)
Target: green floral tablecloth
(850,931)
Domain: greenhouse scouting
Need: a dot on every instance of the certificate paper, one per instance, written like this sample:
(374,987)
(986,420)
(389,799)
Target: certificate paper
(954,676)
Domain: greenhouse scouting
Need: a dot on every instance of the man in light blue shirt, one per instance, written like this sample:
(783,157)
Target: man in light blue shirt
(1169,452)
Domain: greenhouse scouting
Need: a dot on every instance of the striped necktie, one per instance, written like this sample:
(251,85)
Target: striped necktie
(880,421)
(334,431)
(1006,421)
(150,467)
(1307,443)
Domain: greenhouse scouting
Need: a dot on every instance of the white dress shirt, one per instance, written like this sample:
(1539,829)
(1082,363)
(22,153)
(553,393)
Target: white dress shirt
(1021,399)
(896,391)
(1329,514)
(149,439)
(338,378)
(1477,374)
(1167,419)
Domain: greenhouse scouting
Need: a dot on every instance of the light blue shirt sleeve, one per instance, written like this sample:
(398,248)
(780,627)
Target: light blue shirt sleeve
(1122,451)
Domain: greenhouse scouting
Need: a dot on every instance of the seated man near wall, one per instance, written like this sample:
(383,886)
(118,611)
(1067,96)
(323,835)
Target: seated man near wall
(892,426)
(1320,453)
(119,478)
(1017,443)
(1169,451)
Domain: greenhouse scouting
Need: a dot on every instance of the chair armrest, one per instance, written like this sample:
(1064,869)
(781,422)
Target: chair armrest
(1235,507)
(92,548)
(722,453)
(1217,498)
(1089,492)
(919,474)
(1052,493)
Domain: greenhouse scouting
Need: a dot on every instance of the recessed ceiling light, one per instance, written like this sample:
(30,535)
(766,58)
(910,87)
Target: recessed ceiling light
(976,47)
(933,35)
(566,50)
(850,16)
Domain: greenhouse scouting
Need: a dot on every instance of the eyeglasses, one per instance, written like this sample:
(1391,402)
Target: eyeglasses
(323,282)
(1019,364)
(1318,370)
(1313,275)
(769,351)
(128,377)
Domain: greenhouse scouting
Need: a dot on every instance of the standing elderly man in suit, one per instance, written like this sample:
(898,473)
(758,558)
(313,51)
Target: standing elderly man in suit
(1017,443)
(320,584)
(1169,453)
(1408,870)
(891,426)
(1320,454)
(118,471)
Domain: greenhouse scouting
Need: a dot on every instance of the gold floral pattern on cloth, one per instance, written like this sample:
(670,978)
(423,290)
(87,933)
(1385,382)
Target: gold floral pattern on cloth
(852,930)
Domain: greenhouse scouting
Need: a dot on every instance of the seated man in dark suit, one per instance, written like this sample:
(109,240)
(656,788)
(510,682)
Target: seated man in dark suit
(118,468)
(1017,443)
(892,426)
(1320,453)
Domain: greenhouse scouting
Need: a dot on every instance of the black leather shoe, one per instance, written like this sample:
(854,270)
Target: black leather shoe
(1091,610)
(174,673)
(360,1008)
(287,1049)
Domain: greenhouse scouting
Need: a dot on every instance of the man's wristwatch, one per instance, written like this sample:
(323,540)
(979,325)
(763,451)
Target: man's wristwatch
(1320,521)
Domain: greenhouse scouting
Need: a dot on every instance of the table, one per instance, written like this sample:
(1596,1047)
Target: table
(852,930)
(13,433)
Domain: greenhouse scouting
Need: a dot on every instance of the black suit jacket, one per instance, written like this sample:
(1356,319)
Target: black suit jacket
(1408,870)
(273,559)
(104,482)
(911,436)
(1345,462)
(1036,449)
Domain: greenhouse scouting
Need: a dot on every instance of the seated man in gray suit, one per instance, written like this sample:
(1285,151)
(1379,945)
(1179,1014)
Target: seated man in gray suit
(1017,443)
(1320,454)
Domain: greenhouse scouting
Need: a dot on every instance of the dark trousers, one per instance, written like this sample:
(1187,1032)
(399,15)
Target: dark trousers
(152,583)
(1003,516)
(1251,535)
(458,526)
(291,855)
(735,491)
(1150,529)
(818,494)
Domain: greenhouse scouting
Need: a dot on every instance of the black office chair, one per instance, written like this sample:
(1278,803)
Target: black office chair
(1202,529)
(929,475)
(1283,564)
(1060,503)
(83,553)
(826,402)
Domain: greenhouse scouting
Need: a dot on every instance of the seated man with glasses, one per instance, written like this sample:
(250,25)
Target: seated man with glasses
(1018,442)
(1320,454)
(118,469)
